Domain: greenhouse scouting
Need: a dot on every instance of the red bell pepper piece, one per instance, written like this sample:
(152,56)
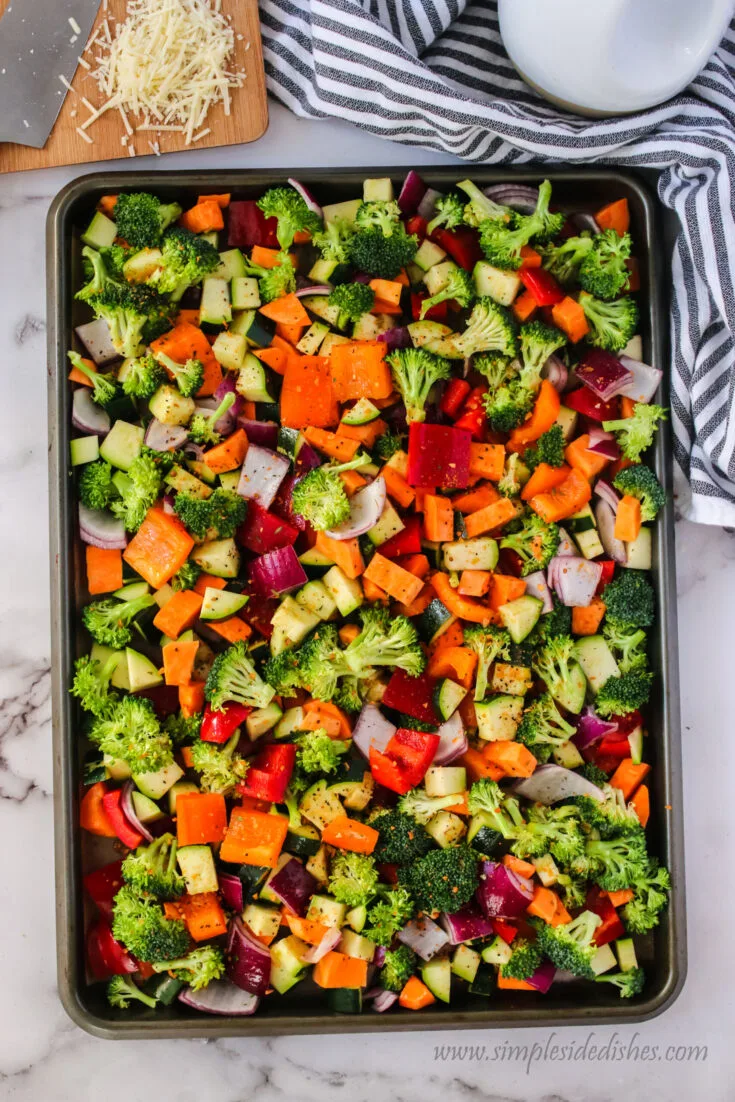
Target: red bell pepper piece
(614,745)
(164,698)
(541,285)
(388,873)
(438,455)
(437,312)
(504,929)
(262,531)
(248,226)
(462,243)
(127,834)
(474,422)
(589,405)
(611,928)
(260,611)
(405,542)
(454,396)
(220,726)
(416,224)
(608,572)
(414,696)
(102,885)
(407,757)
(269,773)
(105,956)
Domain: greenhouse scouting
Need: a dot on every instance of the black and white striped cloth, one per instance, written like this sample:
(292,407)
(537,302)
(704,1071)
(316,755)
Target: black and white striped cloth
(434,73)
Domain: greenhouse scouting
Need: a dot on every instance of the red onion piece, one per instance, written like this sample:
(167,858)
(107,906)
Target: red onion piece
(384,1001)
(372,729)
(95,336)
(314,289)
(308,459)
(519,197)
(466,924)
(543,977)
(502,893)
(603,443)
(329,941)
(575,580)
(306,196)
(608,493)
(264,433)
(398,337)
(603,373)
(566,546)
(537,586)
(424,937)
(164,438)
(227,423)
(591,728)
(645,380)
(555,370)
(583,221)
(277,572)
(549,784)
(411,194)
(232,891)
(128,810)
(365,509)
(86,415)
(99,528)
(379,956)
(605,517)
(453,741)
(221,997)
(248,961)
(262,474)
(427,207)
(294,886)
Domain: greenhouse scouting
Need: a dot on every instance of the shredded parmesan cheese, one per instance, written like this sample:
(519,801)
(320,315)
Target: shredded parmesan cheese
(74,25)
(85,135)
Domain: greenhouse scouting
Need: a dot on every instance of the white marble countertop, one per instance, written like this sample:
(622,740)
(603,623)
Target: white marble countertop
(45,1058)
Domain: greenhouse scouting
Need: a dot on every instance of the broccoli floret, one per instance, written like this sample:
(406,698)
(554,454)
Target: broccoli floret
(497,369)
(353,878)
(549,449)
(508,406)
(135,314)
(550,625)
(188,376)
(282,672)
(449,212)
(549,830)
(480,209)
(114,257)
(524,961)
(489,644)
(140,924)
(442,880)
(322,662)
(538,342)
(629,599)
(215,517)
(380,214)
(389,914)
(141,218)
(187,259)
(611,324)
(352,300)
(202,425)
(291,212)
(594,774)
(542,728)
(502,243)
(181,729)
(385,640)
(414,373)
(318,753)
(108,620)
(624,694)
(613,863)
(402,838)
(334,240)
(276,281)
(627,643)
(186,577)
(143,376)
(131,732)
(387,445)
(121,990)
(371,251)
(349,695)
(96,488)
(234,679)
(152,869)
(510,482)
(651,887)
(198,968)
(570,946)
(398,967)
(563,260)
(603,271)
(558,668)
(610,816)
(490,328)
(320,496)
(97,272)
(91,685)
(220,768)
(498,812)
(535,543)
(193,512)
(573,891)
(104,384)
(640,481)
(459,288)
(140,489)
(422,807)
(628,983)
(635,434)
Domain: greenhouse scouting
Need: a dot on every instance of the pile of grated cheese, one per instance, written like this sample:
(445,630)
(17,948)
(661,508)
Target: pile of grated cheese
(167,63)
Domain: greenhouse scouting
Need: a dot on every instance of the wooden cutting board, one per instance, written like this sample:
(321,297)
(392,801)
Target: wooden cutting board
(247,120)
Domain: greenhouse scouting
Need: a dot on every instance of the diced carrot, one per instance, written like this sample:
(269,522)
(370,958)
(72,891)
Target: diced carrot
(458,663)
(201,818)
(92,815)
(487,460)
(525,306)
(307,395)
(287,310)
(352,481)
(373,592)
(530,258)
(467,712)
(628,519)
(438,518)
(106,204)
(104,569)
(564,500)
(478,766)
(348,633)
(179,614)
(452,636)
(415,995)
(233,629)
(509,983)
(505,588)
(421,494)
(326,714)
(274,357)
(397,487)
(544,478)
(387,290)
(461,807)
(634,278)
(569,316)
(578,455)
(586,621)
(474,583)
(187,317)
(178,661)
(191,698)
(268,258)
(512,757)
(345,553)
(359,370)
(418,605)
(204,217)
(402,278)
(543,416)
(397,582)
(350,834)
(337,447)
(621,897)
(628,776)
(159,548)
(203,915)
(222,201)
(77,376)
(290,333)
(208,581)
(228,455)
(462,607)
(254,838)
(476,499)
(187,757)
(614,216)
(641,803)
(417,564)
(307,929)
(187,342)
(338,970)
(491,517)
(523,868)
(546,905)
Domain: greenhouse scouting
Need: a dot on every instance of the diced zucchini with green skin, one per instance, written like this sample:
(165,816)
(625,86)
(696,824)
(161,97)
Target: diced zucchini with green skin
(399,462)
(318,865)
(102,654)
(185,637)
(437,277)
(212,236)
(498,719)
(291,720)
(448,696)
(482,836)
(215,307)
(257,329)
(567,755)
(290,441)
(142,674)
(231,265)
(361,793)
(635,741)
(163,595)
(132,591)
(312,338)
(101,231)
(317,599)
(428,255)
(220,604)
(584,529)
(230,350)
(315,559)
(320,806)
(291,624)
(521,616)
(513,680)
(287,966)
(546,869)
(170,406)
(640,551)
(389,525)
(437,975)
(445,780)
(634,348)
(345,211)
(218,557)
(264,921)
(324,909)
(475,554)
(262,719)
(572,697)
(497,952)
(156,785)
(597,661)
(356,918)
(434,620)
(362,413)
(252,381)
(465,963)
(197,868)
(143,265)
(378,190)
(366,328)
(244,293)
(346,592)
(446,828)
(495,283)
(146,810)
(123,442)
(353,945)
(625,952)
(425,333)
(322,270)
(117,769)
(303,842)
(201,470)
(567,421)
(180,788)
(184,481)
(84,449)
(603,960)
(330,341)
(320,305)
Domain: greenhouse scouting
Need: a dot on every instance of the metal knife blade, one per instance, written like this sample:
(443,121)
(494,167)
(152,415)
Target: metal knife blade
(36,48)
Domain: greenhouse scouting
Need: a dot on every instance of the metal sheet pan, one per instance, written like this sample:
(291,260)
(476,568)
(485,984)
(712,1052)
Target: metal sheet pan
(302,1010)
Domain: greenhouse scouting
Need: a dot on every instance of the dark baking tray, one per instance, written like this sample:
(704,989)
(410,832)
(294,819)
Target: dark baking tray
(302,1010)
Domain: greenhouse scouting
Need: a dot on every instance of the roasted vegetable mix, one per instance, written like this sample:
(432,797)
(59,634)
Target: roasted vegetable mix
(366,513)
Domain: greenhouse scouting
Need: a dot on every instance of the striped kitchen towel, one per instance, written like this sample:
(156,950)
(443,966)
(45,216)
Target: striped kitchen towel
(434,73)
